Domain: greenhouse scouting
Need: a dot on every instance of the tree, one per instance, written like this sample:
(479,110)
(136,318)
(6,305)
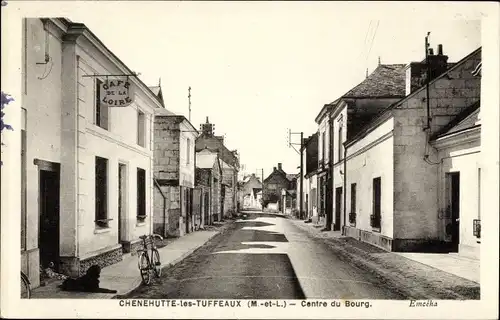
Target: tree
(6,99)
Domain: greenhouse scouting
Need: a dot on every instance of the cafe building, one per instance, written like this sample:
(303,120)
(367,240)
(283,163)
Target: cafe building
(86,151)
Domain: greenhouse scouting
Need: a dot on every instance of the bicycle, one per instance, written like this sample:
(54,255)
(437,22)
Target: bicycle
(25,286)
(147,262)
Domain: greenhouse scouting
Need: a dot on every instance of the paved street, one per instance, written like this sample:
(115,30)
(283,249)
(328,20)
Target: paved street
(264,256)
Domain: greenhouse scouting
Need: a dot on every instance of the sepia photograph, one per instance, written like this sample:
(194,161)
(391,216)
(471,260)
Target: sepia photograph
(250,159)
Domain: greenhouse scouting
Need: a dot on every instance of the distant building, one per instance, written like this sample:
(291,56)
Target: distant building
(278,190)
(250,187)
(310,160)
(230,166)
(207,198)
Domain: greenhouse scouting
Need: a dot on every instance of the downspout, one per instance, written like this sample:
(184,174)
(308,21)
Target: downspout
(345,188)
(164,206)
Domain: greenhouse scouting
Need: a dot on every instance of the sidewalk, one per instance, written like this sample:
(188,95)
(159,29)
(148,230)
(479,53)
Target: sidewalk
(124,276)
(416,275)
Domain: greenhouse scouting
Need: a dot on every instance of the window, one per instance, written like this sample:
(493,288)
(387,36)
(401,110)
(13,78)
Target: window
(353,197)
(141,128)
(323,146)
(101,111)
(375,217)
(340,143)
(352,214)
(141,195)
(101,195)
(188,151)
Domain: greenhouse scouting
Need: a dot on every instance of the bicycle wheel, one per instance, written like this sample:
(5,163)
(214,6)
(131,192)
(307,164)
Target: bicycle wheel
(145,268)
(25,287)
(155,260)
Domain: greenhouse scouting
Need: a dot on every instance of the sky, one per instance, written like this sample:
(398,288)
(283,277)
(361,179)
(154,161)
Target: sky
(259,69)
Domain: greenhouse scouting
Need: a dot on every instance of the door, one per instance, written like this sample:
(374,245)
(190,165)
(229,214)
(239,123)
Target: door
(455,210)
(49,218)
(338,208)
(122,196)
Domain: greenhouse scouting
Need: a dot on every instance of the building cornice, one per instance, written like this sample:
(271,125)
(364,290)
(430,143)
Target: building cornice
(78,33)
(457,138)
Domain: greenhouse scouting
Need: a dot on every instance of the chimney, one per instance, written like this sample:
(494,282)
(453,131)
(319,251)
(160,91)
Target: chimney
(279,166)
(274,168)
(440,49)
(416,72)
(207,128)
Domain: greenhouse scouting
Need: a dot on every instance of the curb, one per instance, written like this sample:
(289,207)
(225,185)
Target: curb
(163,267)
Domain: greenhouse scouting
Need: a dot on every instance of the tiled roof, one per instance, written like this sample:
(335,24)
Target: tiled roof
(387,80)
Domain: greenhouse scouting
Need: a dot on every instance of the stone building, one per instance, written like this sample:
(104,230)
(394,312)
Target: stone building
(251,186)
(400,167)
(174,173)
(86,167)
(208,185)
(230,166)
(277,182)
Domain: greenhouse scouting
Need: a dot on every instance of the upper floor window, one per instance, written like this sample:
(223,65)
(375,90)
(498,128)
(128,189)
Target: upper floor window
(141,128)
(323,145)
(340,147)
(188,151)
(101,111)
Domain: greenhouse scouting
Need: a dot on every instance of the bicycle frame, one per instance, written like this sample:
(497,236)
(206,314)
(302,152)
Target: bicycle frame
(144,252)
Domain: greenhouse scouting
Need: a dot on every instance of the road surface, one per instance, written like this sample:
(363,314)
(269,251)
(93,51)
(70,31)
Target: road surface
(264,257)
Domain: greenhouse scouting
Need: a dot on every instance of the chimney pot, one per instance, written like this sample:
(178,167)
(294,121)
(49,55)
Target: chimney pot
(274,168)
(431,51)
(440,49)
(279,166)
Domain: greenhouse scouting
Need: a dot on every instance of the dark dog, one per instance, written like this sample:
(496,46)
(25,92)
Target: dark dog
(86,283)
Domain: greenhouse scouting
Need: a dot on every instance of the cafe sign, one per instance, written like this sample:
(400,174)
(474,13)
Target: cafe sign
(116,93)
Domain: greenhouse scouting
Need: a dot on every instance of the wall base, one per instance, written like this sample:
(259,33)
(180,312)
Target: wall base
(76,267)
(472,252)
(30,265)
(132,246)
(421,245)
(376,239)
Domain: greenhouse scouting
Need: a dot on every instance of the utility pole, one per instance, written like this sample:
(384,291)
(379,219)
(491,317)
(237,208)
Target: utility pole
(290,144)
(189,99)
(427,80)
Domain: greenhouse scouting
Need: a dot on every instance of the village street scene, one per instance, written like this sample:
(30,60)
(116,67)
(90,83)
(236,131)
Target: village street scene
(372,189)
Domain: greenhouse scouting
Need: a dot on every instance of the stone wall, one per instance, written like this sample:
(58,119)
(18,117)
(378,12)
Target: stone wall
(166,148)
(415,180)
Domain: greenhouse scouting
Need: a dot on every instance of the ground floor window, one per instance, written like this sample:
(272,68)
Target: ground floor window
(101,192)
(141,195)
(376,210)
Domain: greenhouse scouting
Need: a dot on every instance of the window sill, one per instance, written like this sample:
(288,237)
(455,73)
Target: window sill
(376,229)
(140,224)
(99,230)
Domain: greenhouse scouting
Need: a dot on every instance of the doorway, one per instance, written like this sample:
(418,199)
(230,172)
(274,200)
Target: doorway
(454,205)
(338,208)
(122,204)
(49,218)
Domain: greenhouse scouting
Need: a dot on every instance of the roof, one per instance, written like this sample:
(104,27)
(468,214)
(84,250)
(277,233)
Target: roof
(155,90)
(377,119)
(205,160)
(291,176)
(387,80)
(177,118)
(465,120)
